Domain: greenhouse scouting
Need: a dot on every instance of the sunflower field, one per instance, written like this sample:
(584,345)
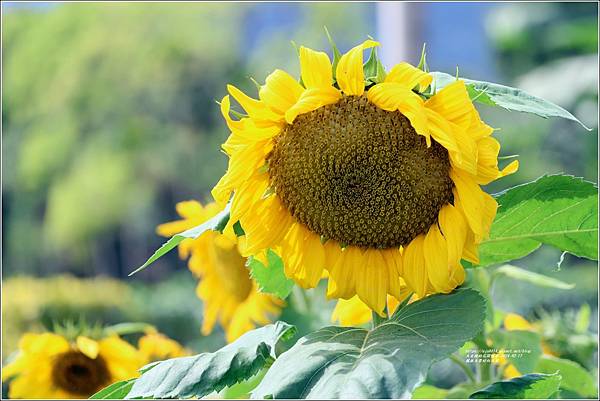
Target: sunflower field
(402,203)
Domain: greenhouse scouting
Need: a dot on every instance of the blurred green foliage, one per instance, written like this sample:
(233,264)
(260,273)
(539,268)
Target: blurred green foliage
(109,118)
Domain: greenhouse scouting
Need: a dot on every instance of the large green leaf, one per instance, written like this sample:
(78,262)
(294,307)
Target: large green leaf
(199,375)
(533,386)
(522,348)
(574,376)
(271,279)
(504,96)
(558,210)
(217,223)
(516,273)
(388,361)
(116,391)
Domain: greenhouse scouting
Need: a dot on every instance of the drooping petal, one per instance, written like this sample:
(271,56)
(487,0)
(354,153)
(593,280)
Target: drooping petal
(395,97)
(409,76)
(454,229)
(311,99)
(487,163)
(415,272)
(315,68)
(256,109)
(342,276)
(470,198)
(349,72)
(371,283)
(87,346)
(453,103)
(280,91)
(436,259)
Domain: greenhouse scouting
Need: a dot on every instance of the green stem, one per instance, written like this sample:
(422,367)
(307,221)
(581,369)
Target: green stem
(465,368)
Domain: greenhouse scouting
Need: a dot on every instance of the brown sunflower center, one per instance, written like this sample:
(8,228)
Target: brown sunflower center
(78,374)
(232,270)
(360,175)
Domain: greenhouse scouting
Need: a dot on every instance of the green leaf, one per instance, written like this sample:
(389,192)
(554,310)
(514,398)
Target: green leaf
(522,348)
(558,210)
(540,280)
(373,69)
(574,376)
(428,392)
(389,361)
(199,375)
(532,386)
(217,223)
(336,53)
(116,391)
(271,279)
(506,97)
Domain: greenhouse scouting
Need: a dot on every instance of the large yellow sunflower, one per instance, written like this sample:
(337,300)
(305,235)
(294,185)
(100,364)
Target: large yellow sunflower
(372,183)
(226,288)
(48,366)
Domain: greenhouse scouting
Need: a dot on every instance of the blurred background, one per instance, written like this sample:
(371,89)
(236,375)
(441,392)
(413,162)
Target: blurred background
(109,118)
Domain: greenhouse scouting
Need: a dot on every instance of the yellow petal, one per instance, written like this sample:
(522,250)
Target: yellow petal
(513,321)
(415,272)
(315,68)
(490,206)
(409,76)
(349,72)
(454,229)
(453,103)
(470,200)
(280,91)
(87,346)
(311,99)
(371,282)
(351,312)
(395,97)
(436,259)
(256,109)
(342,276)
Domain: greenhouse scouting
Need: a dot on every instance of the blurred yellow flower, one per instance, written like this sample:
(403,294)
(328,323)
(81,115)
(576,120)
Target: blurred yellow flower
(48,365)
(373,183)
(354,312)
(157,347)
(513,321)
(229,294)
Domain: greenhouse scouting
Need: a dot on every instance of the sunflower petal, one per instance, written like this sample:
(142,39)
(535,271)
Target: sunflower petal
(311,99)
(409,76)
(453,103)
(436,259)
(87,346)
(415,272)
(315,68)
(280,91)
(349,72)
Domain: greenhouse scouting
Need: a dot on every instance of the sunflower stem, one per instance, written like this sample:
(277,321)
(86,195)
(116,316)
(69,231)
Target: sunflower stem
(465,368)
(377,320)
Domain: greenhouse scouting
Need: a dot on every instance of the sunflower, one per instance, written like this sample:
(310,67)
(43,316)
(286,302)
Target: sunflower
(48,365)
(226,288)
(157,346)
(372,182)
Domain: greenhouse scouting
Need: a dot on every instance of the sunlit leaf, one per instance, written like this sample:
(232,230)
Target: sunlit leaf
(558,210)
(533,386)
(199,375)
(389,361)
(509,98)
(217,223)
(271,278)
(574,376)
(116,391)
